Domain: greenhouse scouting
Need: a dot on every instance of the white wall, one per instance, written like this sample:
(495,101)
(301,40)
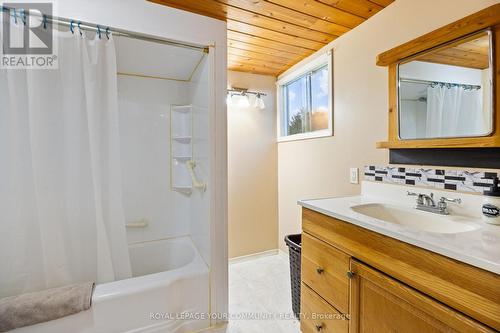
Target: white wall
(438,72)
(144,111)
(320,167)
(252,173)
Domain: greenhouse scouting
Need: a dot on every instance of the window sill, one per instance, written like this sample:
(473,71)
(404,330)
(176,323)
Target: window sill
(305,136)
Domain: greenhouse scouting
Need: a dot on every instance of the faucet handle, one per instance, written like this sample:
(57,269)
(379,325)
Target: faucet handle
(444,199)
(420,197)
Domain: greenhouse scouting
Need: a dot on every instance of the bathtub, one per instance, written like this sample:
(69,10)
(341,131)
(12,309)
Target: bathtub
(169,278)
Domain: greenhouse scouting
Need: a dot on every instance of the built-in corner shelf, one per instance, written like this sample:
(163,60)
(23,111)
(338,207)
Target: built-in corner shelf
(182,159)
(181,148)
(182,163)
(182,139)
(182,108)
(183,189)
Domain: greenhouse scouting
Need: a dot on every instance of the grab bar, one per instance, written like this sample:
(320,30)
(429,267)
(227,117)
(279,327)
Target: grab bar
(142,223)
(196,183)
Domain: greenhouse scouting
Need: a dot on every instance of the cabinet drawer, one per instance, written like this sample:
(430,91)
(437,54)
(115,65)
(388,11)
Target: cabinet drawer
(324,269)
(319,316)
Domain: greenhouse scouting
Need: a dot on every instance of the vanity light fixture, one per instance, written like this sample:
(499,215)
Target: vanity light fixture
(243,98)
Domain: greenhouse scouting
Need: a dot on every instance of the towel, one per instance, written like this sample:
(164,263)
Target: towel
(38,307)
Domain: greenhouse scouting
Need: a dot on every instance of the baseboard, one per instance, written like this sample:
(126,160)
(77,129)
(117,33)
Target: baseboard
(284,253)
(219,328)
(253,256)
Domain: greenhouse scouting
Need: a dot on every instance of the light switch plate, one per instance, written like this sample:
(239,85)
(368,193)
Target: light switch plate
(354,176)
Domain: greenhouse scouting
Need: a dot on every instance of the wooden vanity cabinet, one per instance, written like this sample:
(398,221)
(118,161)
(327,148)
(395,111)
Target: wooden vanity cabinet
(374,283)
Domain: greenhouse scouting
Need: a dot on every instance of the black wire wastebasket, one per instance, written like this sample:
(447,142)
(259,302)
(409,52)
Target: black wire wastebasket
(294,248)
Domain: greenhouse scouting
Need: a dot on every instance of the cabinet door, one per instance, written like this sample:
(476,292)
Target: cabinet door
(381,304)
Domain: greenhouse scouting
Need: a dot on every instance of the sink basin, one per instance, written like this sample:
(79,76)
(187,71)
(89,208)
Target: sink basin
(415,219)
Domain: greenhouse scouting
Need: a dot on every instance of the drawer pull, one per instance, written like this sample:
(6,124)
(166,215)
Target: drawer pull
(320,270)
(319,327)
(350,274)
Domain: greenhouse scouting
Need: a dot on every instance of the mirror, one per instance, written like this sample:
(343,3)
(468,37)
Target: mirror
(447,92)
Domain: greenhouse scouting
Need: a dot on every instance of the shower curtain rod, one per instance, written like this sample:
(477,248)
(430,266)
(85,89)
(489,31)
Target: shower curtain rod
(18,13)
(466,86)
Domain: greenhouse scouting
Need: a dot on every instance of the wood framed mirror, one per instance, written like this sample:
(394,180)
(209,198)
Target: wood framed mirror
(443,90)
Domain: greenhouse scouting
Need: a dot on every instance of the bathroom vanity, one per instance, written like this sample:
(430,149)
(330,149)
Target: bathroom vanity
(368,267)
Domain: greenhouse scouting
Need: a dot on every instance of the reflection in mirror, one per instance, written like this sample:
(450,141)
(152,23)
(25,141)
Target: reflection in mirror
(447,92)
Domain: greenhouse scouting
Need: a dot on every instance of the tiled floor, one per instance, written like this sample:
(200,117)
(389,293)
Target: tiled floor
(261,287)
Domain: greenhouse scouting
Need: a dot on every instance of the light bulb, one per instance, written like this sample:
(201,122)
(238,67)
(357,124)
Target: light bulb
(243,101)
(259,102)
(229,100)
(256,101)
(262,105)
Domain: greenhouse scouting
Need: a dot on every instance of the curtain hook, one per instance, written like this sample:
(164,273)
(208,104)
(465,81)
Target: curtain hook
(71,27)
(80,28)
(44,21)
(99,32)
(23,16)
(107,32)
(15,15)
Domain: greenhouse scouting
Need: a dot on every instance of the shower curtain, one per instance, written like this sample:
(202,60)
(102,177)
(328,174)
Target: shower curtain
(62,219)
(454,112)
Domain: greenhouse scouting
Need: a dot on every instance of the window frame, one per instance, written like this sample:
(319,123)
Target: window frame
(296,74)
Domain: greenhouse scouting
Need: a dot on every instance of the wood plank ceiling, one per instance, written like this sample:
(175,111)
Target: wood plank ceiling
(269,36)
(472,54)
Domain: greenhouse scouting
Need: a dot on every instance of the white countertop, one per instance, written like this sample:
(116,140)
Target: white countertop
(479,248)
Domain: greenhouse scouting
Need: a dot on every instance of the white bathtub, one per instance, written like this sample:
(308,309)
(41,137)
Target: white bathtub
(169,278)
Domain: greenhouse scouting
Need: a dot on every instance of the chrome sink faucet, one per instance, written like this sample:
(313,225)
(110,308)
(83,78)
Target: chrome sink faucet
(426,203)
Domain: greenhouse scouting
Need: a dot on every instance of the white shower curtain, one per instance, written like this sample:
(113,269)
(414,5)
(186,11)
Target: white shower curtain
(62,219)
(454,112)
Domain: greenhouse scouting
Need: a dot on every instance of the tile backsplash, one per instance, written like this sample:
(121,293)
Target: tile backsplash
(455,180)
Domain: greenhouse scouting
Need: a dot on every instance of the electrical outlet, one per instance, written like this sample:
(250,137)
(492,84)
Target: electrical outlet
(354,176)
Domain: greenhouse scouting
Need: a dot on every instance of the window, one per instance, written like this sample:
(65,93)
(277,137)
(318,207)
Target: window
(305,108)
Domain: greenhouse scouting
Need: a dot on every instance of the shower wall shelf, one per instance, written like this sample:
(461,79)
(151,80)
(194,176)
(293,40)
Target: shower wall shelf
(182,108)
(181,147)
(183,189)
(182,139)
(182,158)
(183,177)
